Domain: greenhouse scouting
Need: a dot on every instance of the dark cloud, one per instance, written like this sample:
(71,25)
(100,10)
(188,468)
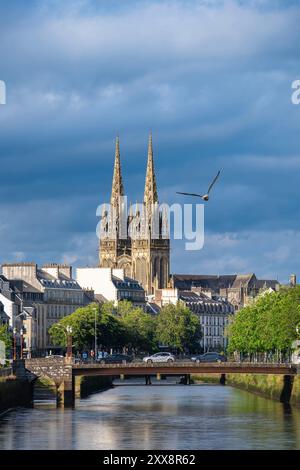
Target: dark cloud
(212,79)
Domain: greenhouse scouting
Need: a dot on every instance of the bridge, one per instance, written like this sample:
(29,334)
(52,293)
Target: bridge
(63,371)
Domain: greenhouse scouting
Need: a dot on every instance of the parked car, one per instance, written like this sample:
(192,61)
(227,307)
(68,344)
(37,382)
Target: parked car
(116,359)
(160,357)
(209,357)
(296,357)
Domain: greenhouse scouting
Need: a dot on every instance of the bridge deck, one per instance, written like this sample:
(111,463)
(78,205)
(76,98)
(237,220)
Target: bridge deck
(181,368)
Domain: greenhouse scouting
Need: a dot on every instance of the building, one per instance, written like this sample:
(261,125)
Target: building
(111,284)
(41,297)
(239,289)
(214,313)
(4,319)
(145,256)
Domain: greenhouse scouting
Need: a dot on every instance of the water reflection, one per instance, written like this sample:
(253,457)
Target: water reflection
(157,417)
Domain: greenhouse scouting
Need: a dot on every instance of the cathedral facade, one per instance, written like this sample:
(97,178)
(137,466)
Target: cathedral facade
(144,253)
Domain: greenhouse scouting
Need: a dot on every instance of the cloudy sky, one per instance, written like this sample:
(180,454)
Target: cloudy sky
(211,79)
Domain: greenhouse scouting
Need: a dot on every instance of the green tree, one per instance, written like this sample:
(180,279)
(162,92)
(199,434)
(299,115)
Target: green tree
(139,327)
(110,331)
(5,336)
(267,325)
(178,327)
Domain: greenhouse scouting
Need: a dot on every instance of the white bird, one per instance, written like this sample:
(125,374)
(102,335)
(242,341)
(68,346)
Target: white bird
(205,197)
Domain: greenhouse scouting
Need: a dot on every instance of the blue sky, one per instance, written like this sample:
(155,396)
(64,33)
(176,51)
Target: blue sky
(212,79)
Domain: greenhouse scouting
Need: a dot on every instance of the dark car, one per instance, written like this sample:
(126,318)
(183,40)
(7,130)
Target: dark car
(116,359)
(209,357)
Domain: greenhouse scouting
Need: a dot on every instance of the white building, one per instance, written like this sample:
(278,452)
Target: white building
(111,284)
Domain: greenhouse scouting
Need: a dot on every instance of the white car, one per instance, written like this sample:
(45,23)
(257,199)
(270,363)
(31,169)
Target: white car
(159,357)
(296,357)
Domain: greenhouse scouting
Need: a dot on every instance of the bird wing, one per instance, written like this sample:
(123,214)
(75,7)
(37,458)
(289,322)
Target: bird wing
(213,182)
(189,194)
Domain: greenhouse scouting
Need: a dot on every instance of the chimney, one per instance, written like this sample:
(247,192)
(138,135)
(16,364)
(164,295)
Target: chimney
(293,280)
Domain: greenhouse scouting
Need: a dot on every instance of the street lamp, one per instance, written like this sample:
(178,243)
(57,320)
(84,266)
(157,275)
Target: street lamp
(69,341)
(21,340)
(15,344)
(95,310)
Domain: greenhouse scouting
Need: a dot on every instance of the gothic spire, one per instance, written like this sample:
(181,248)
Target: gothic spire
(117,189)
(150,194)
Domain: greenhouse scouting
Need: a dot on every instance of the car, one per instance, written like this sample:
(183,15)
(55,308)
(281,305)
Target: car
(116,359)
(296,357)
(209,357)
(159,357)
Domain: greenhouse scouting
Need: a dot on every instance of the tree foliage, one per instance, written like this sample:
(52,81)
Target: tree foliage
(5,336)
(178,327)
(108,329)
(267,325)
(129,326)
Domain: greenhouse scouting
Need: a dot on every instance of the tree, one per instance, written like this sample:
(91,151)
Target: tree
(139,326)
(110,332)
(5,336)
(178,327)
(267,325)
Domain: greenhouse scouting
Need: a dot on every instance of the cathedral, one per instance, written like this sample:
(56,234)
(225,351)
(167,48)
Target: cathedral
(146,257)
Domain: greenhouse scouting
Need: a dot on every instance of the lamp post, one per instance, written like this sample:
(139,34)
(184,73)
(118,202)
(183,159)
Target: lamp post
(69,341)
(15,344)
(21,342)
(96,352)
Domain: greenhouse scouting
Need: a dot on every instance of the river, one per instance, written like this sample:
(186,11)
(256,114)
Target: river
(156,417)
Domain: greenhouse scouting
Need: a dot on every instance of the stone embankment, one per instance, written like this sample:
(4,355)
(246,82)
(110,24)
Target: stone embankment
(283,388)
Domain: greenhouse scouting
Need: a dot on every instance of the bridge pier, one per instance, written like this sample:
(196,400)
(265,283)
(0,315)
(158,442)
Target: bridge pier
(285,396)
(158,376)
(148,380)
(188,379)
(223,379)
(65,393)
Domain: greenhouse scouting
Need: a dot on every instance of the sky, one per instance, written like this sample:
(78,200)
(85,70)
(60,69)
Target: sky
(210,78)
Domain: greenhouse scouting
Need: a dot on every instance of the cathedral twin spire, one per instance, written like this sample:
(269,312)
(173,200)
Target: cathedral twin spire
(117,189)
(150,193)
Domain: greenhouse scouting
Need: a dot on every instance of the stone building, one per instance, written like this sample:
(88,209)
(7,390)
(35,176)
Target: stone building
(144,256)
(214,313)
(239,289)
(4,318)
(41,296)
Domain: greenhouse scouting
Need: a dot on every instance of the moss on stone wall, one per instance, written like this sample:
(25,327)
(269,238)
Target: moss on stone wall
(14,392)
(84,386)
(270,386)
(275,387)
(202,378)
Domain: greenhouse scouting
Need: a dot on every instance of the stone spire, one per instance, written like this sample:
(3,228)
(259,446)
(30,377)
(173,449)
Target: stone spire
(150,194)
(117,189)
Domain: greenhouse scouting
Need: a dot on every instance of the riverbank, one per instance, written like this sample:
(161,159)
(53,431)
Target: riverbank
(285,389)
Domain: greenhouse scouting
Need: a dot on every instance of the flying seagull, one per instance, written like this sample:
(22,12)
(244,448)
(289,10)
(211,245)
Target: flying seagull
(205,197)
